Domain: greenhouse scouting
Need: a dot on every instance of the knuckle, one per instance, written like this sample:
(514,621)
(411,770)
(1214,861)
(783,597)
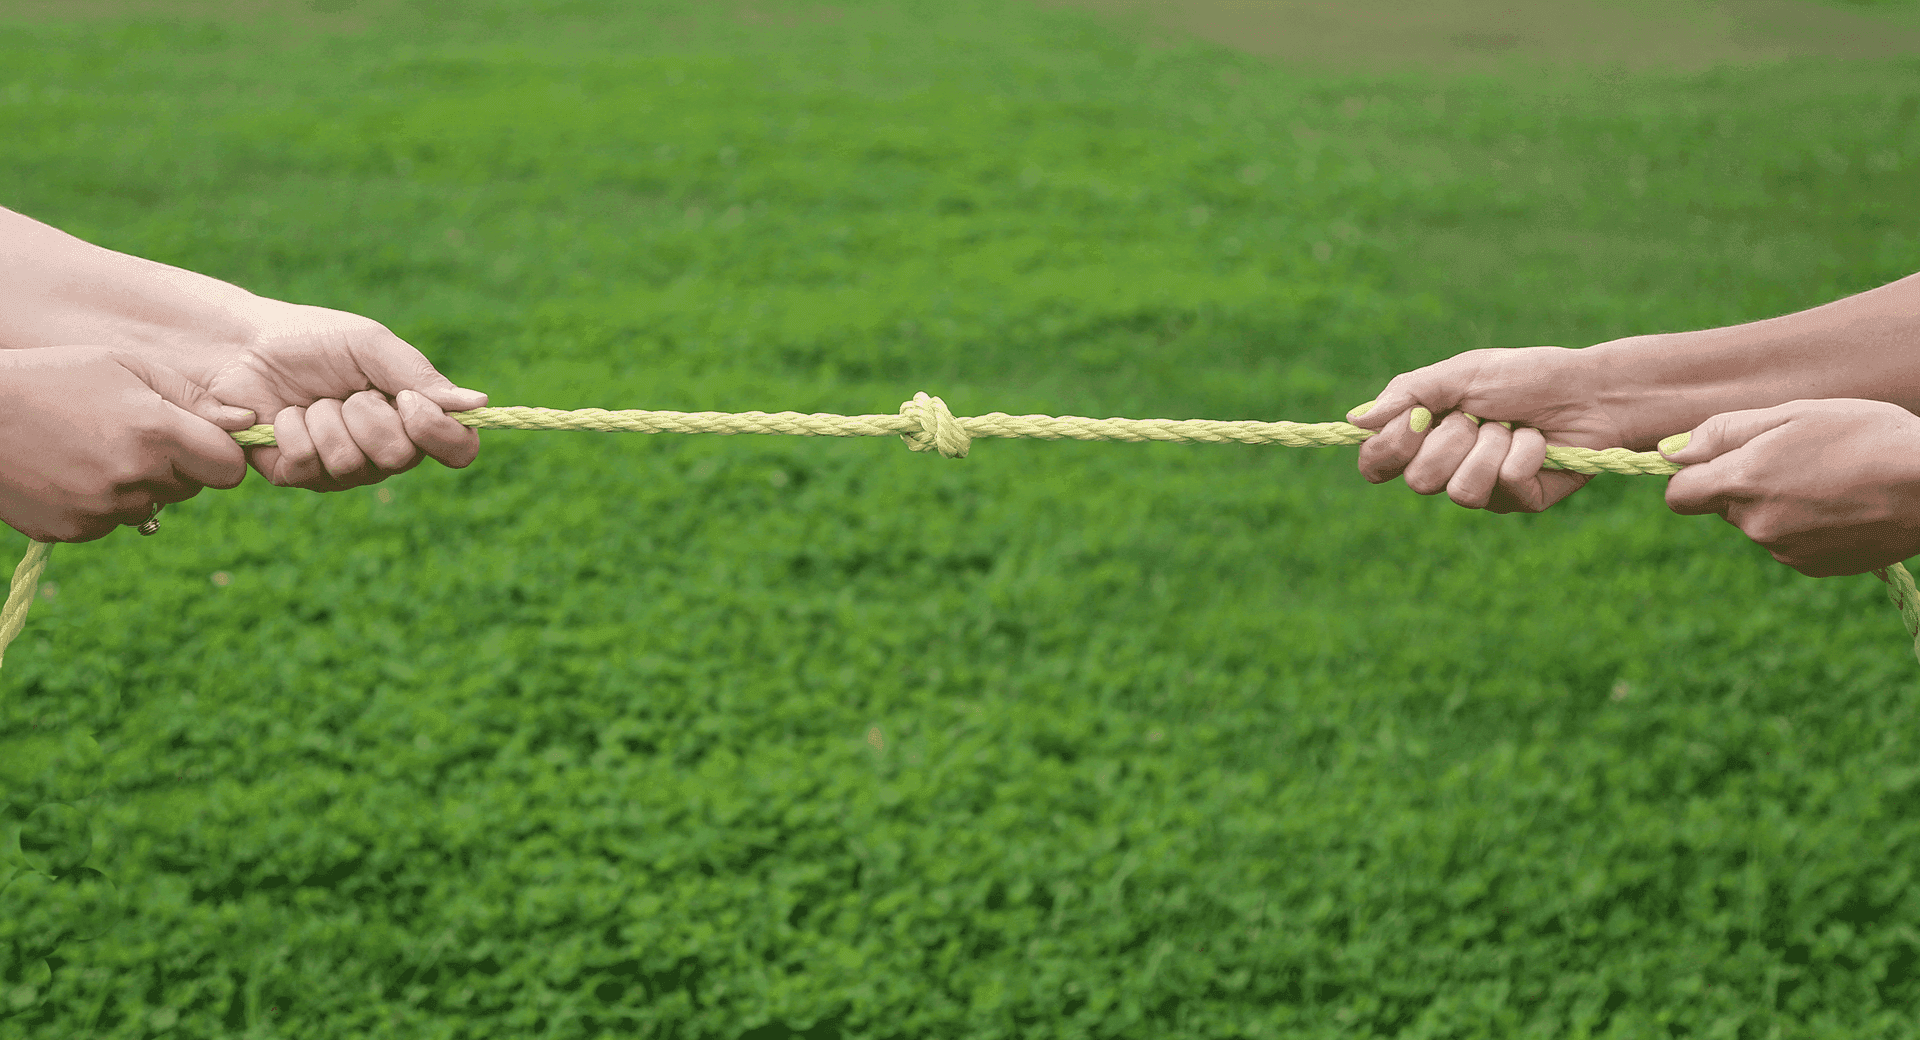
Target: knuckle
(1467,498)
(342,463)
(101,503)
(397,455)
(292,463)
(1740,481)
(125,469)
(82,529)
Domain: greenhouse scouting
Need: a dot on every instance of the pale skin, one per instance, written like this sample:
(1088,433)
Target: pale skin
(1803,427)
(121,378)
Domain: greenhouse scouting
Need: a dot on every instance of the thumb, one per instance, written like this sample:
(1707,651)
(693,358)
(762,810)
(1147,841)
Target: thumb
(393,365)
(176,389)
(1721,434)
(212,459)
(1427,395)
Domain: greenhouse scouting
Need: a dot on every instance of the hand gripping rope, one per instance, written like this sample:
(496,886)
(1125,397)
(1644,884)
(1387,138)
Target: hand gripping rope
(925,424)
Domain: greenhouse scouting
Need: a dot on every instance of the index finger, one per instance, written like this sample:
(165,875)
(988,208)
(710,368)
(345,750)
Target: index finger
(1713,486)
(441,436)
(1409,407)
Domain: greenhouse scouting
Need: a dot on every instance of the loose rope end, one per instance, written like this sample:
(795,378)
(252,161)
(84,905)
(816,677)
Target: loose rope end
(1901,590)
(26,585)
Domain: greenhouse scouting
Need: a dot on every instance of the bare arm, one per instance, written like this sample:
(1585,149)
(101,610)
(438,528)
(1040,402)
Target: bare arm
(333,385)
(56,290)
(1863,346)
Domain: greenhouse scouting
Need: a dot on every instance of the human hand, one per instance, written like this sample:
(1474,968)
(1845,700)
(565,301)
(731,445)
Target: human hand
(1550,394)
(1828,487)
(350,403)
(97,436)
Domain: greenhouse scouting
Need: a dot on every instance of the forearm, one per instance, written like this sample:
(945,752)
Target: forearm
(56,290)
(1863,346)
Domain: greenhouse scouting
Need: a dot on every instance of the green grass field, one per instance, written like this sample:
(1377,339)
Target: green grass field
(756,737)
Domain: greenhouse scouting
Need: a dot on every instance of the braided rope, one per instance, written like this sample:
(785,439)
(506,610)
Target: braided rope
(925,424)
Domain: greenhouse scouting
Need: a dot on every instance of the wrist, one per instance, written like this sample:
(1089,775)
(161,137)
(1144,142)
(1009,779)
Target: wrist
(1649,387)
(116,300)
(1666,383)
(1861,346)
(58,290)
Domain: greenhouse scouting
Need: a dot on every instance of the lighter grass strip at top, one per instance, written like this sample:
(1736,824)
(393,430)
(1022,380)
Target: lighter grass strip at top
(925,424)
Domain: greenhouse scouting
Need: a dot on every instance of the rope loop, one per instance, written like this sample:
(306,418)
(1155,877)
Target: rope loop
(939,430)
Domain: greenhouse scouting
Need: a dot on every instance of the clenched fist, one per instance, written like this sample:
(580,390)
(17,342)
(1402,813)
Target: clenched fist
(97,436)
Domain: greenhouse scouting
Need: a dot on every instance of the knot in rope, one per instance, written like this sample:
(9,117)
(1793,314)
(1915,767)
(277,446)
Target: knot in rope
(925,424)
(939,430)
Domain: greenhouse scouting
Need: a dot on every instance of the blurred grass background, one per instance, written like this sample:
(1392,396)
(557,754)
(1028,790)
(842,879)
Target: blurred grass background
(756,737)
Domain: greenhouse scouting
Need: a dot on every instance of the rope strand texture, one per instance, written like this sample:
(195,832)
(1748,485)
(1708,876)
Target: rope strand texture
(925,424)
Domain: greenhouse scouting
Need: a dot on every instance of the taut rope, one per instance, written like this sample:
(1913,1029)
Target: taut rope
(925,424)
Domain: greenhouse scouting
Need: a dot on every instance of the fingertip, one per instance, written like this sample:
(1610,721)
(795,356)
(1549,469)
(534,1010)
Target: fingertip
(1675,444)
(459,456)
(451,398)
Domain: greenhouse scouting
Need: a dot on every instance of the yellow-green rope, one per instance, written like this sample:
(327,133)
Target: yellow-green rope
(925,424)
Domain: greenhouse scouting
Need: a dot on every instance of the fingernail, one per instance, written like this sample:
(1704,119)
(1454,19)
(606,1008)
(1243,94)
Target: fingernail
(1673,444)
(1419,419)
(1355,413)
